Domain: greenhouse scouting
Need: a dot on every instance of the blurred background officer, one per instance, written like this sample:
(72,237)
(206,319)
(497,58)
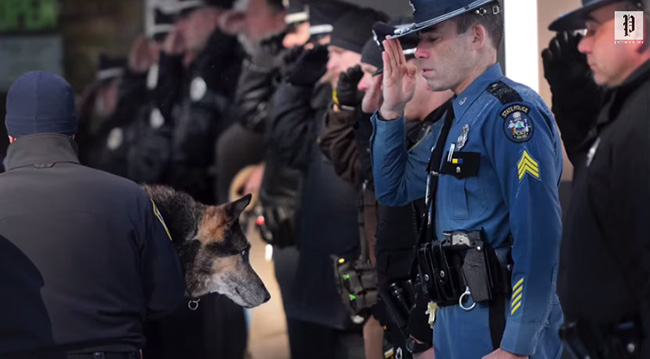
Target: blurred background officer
(604,280)
(199,68)
(242,143)
(500,166)
(84,253)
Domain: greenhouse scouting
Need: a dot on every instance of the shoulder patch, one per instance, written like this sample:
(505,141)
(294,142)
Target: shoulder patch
(504,93)
(160,218)
(517,125)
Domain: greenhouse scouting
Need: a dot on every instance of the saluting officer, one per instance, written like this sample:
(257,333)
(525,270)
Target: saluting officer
(498,169)
(604,279)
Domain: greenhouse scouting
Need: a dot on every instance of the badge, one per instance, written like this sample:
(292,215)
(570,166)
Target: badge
(517,126)
(115,139)
(198,88)
(592,151)
(462,138)
(156,120)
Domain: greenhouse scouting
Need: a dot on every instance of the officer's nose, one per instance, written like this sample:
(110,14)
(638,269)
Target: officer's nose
(421,51)
(584,46)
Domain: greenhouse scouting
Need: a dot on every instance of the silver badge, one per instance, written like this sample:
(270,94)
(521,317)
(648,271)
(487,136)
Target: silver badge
(156,120)
(198,89)
(115,139)
(462,138)
(592,151)
(412,6)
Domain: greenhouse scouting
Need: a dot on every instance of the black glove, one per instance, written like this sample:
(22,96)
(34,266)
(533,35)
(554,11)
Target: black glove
(309,67)
(577,98)
(347,94)
(268,54)
(289,60)
(565,67)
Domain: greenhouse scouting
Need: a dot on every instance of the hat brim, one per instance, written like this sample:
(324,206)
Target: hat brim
(576,19)
(437,20)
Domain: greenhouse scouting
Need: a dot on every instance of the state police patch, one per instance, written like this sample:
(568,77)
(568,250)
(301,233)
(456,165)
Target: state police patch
(517,126)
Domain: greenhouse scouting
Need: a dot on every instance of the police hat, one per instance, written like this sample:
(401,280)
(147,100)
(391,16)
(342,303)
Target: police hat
(323,15)
(184,7)
(163,23)
(297,12)
(109,68)
(380,30)
(576,19)
(428,13)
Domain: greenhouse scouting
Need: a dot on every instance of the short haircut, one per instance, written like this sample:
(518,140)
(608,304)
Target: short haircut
(492,22)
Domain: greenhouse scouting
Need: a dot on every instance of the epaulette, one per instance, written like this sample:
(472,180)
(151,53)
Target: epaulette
(504,93)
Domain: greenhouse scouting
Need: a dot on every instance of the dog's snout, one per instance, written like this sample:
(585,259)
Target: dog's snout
(267,296)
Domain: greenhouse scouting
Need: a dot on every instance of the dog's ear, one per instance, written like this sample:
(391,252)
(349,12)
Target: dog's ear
(234,209)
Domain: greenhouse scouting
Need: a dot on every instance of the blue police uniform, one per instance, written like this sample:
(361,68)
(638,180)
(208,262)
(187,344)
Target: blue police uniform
(402,171)
(506,159)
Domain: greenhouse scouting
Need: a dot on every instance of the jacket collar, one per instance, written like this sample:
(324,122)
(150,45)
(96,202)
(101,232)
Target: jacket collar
(616,96)
(466,98)
(41,151)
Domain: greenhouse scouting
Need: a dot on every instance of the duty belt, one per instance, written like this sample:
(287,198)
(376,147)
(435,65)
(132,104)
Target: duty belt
(462,270)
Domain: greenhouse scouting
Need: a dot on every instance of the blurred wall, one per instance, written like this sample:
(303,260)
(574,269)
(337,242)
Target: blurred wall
(547,11)
(91,27)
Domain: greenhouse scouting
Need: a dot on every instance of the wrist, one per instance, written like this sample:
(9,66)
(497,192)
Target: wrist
(390,114)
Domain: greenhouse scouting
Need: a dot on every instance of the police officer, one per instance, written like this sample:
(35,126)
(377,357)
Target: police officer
(85,256)
(604,273)
(497,164)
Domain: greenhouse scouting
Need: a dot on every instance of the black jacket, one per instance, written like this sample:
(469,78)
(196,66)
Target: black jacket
(196,105)
(604,269)
(254,92)
(327,217)
(83,258)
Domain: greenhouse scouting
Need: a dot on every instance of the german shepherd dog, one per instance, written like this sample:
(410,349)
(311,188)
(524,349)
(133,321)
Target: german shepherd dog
(212,247)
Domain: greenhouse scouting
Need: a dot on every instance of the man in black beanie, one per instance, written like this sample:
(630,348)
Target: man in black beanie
(84,255)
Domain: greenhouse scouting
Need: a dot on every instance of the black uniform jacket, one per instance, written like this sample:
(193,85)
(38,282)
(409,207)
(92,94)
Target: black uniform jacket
(605,255)
(84,257)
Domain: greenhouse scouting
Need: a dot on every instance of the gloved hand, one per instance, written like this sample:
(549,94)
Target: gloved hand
(309,67)
(289,59)
(565,67)
(268,54)
(577,98)
(347,95)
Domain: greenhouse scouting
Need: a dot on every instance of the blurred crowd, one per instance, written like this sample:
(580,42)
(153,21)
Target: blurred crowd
(218,102)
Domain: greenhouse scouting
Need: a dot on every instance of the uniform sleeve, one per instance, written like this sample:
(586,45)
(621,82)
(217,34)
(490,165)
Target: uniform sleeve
(164,285)
(523,147)
(292,124)
(337,142)
(389,161)
(169,84)
(629,177)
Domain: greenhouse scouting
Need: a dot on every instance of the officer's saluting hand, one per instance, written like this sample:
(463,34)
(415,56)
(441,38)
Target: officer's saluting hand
(399,80)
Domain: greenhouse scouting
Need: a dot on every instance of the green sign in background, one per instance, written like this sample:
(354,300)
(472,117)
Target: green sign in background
(18,16)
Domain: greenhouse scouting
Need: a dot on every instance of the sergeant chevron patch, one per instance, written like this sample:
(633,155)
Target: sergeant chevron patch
(528,165)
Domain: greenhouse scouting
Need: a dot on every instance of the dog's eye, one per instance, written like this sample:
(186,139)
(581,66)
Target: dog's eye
(245,252)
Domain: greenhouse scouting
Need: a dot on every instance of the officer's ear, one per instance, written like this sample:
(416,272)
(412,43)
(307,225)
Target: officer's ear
(479,35)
